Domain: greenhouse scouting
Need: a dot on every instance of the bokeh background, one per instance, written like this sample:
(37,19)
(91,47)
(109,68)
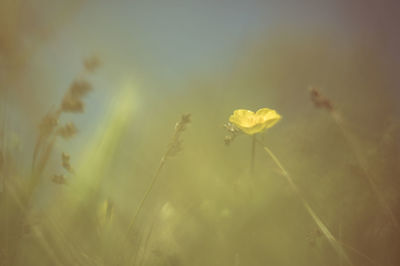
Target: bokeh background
(162,59)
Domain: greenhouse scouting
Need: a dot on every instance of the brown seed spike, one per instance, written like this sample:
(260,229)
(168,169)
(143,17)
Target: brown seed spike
(59,180)
(72,101)
(65,157)
(92,63)
(319,100)
(67,131)
(48,123)
(66,162)
(80,88)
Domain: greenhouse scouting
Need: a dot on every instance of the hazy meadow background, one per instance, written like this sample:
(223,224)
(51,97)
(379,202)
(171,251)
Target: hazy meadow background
(161,59)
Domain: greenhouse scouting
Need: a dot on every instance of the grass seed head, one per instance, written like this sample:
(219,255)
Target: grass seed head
(72,101)
(92,63)
(59,179)
(67,131)
(319,100)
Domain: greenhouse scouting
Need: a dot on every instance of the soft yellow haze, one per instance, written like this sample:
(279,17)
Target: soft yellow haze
(167,162)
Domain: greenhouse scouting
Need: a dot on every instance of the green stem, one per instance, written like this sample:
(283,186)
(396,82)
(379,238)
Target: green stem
(324,229)
(146,195)
(253,154)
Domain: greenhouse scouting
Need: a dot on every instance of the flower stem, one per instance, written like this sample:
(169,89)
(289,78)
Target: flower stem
(253,154)
(324,229)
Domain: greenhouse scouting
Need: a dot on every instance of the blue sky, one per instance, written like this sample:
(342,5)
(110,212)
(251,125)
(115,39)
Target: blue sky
(161,45)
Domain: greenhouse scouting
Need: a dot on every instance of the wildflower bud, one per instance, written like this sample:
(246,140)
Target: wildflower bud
(231,128)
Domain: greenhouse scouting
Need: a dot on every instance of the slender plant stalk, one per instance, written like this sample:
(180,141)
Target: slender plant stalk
(173,148)
(364,168)
(322,102)
(45,246)
(146,194)
(324,229)
(253,154)
(357,252)
(142,201)
(38,170)
(340,240)
(143,258)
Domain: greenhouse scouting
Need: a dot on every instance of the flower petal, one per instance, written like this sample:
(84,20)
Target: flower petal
(242,117)
(254,129)
(252,123)
(263,111)
(272,118)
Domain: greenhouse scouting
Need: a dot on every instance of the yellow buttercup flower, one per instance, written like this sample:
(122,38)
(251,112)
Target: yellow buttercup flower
(253,123)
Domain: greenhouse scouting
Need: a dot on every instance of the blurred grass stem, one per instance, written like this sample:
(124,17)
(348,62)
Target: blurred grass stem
(332,240)
(147,193)
(253,154)
(173,148)
(364,167)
